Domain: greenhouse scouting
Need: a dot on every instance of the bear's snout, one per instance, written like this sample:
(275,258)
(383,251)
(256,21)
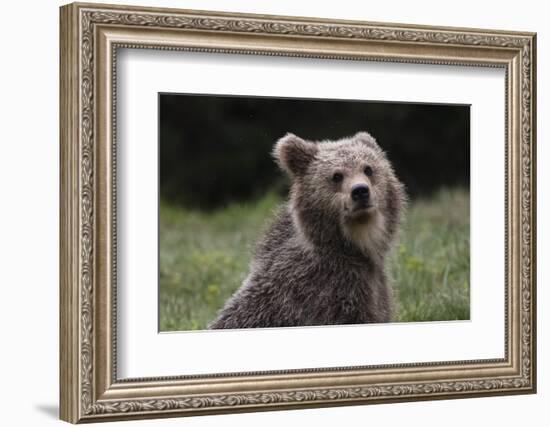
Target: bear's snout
(360,193)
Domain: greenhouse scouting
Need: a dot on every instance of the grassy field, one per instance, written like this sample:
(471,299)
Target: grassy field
(204,258)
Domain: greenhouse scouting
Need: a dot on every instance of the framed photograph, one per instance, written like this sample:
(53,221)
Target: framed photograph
(266,212)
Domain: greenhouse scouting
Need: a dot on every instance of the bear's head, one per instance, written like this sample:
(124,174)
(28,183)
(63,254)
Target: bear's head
(344,194)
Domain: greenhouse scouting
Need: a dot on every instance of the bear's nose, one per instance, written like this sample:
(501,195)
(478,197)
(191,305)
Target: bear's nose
(360,193)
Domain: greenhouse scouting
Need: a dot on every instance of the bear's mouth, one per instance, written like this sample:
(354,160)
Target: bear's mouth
(360,212)
(362,205)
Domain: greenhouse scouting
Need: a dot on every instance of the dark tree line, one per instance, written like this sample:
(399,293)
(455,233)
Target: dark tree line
(216,149)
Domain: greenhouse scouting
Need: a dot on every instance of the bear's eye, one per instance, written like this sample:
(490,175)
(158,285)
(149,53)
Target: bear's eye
(337,177)
(368,171)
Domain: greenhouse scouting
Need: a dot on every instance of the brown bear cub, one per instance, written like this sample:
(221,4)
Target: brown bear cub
(323,260)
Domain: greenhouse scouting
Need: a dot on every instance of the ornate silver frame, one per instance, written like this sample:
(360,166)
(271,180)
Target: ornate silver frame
(90,36)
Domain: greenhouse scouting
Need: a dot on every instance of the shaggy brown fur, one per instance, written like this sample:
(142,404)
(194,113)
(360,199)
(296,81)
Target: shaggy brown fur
(322,262)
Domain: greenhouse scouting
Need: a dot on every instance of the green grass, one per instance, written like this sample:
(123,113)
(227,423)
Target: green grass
(431,263)
(204,258)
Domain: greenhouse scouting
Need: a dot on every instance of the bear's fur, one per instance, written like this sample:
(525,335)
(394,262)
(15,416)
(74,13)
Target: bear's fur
(323,260)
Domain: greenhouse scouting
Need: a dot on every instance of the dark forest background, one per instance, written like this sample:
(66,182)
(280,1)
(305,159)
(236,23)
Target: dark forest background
(215,150)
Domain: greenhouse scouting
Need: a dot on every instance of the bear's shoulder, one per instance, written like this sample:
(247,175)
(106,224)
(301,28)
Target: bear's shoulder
(279,232)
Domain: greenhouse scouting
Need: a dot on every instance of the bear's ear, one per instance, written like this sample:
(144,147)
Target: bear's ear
(367,139)
(293,154)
